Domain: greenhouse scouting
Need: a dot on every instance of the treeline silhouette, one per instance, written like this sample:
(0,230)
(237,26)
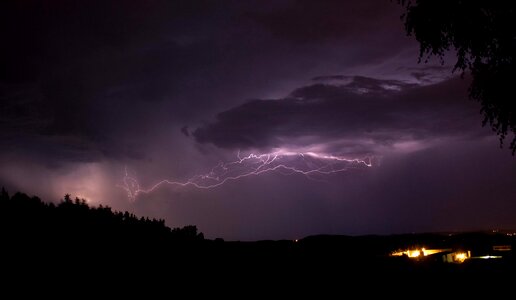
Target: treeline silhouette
(74,240)
(29,220)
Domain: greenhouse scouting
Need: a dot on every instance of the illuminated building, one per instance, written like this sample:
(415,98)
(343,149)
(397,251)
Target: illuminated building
(448,255)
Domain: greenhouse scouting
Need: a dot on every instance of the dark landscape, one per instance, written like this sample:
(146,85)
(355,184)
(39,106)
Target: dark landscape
(78,239)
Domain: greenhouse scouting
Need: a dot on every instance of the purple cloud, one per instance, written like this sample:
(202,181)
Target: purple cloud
(360,115)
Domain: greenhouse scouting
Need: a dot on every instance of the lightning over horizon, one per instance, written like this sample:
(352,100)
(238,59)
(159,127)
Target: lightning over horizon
(263,119)
(310,164)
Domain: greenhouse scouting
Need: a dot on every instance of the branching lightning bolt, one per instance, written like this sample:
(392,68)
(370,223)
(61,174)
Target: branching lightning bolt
(310,164)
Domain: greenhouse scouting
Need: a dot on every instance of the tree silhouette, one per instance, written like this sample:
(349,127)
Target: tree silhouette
(25,219)
(483,36)
(4,196)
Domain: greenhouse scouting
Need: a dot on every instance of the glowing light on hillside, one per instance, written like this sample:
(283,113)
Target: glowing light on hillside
(461,257)
(415,253)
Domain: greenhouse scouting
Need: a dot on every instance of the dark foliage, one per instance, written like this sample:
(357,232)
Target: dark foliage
(28,220)
(483,36)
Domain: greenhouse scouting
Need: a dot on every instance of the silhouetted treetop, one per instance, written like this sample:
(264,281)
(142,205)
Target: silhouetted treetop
(483,36)
(74,220)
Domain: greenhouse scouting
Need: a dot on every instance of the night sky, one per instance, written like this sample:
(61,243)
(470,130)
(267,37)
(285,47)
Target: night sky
(171,89)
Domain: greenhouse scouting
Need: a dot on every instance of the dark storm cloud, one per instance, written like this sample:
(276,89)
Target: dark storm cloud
(366,112)
(77,73)
(363,31)
(109,72)
(354,84)
(429,73)
(308,21)
(45,34)
(185,131)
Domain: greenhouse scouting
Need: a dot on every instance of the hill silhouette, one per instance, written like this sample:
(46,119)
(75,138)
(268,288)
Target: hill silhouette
(74,238)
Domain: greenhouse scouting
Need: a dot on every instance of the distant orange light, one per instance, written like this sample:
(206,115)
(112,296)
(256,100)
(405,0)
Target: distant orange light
(418,252)
(461,257)
(409,253)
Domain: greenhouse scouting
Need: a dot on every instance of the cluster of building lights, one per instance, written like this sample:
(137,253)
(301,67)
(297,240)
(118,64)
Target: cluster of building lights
(448,255)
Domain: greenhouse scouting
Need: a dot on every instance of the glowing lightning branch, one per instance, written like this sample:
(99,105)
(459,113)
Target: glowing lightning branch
(310,164)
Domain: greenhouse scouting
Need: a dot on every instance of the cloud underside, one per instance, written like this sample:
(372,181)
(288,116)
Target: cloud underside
(343,114)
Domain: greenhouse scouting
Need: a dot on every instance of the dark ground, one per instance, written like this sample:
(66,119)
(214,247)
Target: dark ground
(72,243)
